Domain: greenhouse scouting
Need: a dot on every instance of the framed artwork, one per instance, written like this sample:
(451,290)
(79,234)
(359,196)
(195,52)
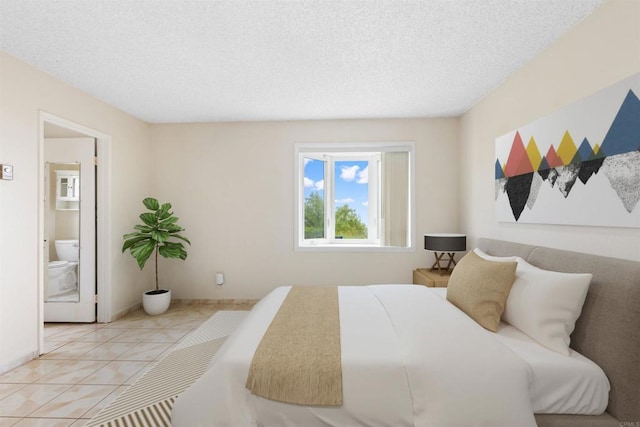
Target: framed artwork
(579,165)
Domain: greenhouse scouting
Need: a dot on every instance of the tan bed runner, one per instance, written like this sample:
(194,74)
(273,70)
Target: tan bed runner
(298,360)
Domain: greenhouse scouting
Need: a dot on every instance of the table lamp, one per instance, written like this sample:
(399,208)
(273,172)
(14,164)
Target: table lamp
(445,244)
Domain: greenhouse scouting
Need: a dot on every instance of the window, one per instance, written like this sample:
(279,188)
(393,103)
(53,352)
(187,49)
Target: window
(354,195)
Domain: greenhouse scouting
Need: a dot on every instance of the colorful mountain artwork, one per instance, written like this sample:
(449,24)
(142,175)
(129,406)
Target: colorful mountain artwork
(580,165)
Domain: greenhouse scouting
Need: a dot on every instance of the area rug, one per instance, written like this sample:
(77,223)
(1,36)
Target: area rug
(149,400)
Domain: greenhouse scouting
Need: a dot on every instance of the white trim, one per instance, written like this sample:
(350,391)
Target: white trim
(329,195)
(103,228)
(18,362)
(346,147)
(334,247)
(373,204)
(349,149)
(412,198)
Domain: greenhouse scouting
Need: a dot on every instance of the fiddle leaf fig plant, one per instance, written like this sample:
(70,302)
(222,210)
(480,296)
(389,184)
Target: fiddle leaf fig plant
(158,233)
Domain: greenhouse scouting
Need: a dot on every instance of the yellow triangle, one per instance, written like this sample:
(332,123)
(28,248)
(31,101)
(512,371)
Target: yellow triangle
(534,154)
(596,149)
(567,149)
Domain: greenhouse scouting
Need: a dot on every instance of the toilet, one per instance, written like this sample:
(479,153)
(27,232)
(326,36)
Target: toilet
(68,250)
(62,273)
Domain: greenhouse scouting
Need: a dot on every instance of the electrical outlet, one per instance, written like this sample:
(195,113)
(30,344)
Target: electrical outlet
(6,172)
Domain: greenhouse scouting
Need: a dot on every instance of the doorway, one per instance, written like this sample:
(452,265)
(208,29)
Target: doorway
(69,178)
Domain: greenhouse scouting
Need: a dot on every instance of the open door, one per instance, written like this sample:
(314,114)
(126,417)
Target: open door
(70,230)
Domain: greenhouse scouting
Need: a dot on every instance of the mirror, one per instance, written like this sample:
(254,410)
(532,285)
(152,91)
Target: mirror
(63,232)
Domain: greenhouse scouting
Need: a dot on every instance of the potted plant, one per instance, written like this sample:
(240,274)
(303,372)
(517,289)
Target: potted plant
(154,235)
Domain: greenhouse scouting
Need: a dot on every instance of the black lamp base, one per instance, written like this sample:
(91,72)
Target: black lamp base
(451,263)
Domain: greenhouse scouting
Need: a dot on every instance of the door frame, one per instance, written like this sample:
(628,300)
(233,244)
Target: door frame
(103,225)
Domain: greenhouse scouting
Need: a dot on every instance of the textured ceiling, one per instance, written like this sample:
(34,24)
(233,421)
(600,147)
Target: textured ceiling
(199,61)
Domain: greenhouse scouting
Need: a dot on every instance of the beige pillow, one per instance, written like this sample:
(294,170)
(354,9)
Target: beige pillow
(480,288)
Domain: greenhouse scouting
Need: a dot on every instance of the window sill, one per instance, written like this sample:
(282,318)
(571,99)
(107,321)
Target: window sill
(336,247)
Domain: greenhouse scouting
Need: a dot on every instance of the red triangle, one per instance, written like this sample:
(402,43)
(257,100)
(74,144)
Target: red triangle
(518,162)
(552,158)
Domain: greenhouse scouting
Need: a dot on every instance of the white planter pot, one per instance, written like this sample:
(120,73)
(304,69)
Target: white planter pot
(155,304)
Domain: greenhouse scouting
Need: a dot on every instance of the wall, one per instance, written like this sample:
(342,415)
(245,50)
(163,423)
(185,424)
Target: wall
(23,92)
(232,185)
(601,50)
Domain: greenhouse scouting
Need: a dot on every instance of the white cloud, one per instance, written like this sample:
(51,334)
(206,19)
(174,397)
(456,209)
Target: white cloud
(365,204)
(363,176)
(348,173)
(307,161)
(308,182)
(345,201)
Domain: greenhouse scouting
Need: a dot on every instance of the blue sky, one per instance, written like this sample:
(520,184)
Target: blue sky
(351,178)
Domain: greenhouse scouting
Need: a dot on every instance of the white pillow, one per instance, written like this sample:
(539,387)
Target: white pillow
(488,257)
(546,304)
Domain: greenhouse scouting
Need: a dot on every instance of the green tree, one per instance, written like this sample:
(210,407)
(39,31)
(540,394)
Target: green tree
(314,216)
(349,225)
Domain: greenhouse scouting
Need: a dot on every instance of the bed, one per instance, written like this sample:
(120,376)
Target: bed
(607,331)
(475,377)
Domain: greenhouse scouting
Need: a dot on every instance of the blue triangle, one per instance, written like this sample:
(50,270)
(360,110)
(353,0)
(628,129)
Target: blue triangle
(576,158)
(543,164)
(543,169)
(499,172)
(623,135)
(585,150)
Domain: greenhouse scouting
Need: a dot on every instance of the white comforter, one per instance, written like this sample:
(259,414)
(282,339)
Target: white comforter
(409,358)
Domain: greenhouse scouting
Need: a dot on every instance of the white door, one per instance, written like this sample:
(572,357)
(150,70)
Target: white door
(70,215)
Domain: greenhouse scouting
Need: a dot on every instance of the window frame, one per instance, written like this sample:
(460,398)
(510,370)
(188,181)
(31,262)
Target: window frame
(349,151)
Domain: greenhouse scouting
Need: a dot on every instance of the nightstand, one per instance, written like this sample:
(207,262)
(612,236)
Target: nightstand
(429,278)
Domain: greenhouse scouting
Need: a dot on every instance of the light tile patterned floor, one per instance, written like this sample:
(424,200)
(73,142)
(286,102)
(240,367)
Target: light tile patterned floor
(88,365)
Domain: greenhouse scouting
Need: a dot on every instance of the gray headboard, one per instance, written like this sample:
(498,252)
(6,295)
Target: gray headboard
(608,330)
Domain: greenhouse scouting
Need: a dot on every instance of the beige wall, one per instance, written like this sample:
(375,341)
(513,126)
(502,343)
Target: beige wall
(601,50)
(23,92)
(232,185)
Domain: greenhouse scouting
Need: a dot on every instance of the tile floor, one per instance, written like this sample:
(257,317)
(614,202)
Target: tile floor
(86,366)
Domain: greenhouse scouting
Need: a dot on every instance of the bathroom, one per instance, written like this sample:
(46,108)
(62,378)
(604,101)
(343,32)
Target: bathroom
(63,223)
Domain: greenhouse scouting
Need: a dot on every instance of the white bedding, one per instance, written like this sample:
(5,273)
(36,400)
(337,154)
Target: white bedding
(409,359)
(559,384)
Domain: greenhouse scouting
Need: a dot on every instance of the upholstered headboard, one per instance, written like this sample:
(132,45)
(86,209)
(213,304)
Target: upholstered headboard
(608,330)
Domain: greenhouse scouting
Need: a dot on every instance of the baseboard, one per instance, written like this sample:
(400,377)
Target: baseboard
(221,302)
(6,367)
(214,301)
(126,311)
